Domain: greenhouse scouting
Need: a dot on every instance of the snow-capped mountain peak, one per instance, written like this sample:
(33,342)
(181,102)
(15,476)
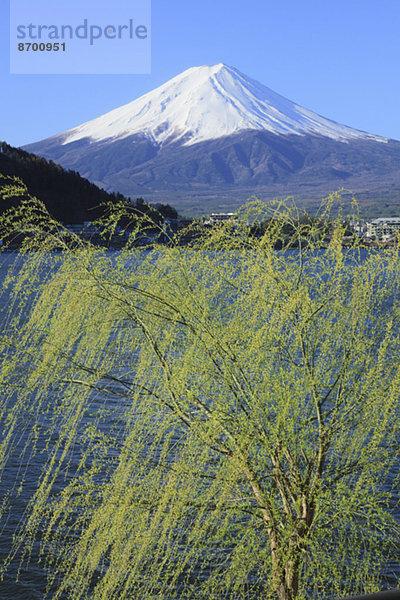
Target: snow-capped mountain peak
(210,102)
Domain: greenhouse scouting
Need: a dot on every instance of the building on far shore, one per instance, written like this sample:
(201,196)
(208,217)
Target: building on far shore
(384,228)
(215,218)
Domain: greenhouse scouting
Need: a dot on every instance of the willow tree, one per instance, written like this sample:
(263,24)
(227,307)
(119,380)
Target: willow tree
(214,420)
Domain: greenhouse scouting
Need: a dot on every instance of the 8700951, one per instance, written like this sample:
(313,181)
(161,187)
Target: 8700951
(41,47)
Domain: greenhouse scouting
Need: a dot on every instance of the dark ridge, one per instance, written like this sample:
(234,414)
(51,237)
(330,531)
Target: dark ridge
(68,196)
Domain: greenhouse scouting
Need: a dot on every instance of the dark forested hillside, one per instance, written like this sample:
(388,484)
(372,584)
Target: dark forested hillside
(68,196)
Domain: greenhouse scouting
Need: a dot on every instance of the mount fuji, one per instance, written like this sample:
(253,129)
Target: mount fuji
(211,137)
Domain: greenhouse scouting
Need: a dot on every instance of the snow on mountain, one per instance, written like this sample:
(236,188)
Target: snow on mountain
(209,102)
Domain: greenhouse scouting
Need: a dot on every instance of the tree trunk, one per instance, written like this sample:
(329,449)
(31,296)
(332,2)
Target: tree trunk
(286,562)
(289,585)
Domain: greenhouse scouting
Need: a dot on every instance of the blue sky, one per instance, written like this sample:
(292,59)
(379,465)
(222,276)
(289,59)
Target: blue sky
(338,58)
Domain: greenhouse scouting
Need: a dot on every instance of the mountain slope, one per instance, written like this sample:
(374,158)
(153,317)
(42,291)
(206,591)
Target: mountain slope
(213,128)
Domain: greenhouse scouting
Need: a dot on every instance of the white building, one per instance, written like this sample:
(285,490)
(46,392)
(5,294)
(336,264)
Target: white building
(219,218)
(384,228)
